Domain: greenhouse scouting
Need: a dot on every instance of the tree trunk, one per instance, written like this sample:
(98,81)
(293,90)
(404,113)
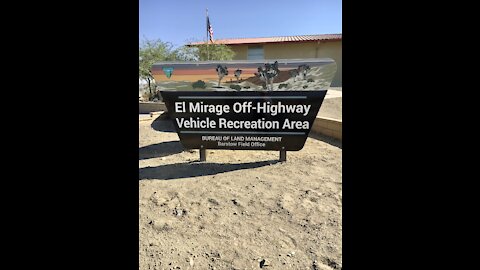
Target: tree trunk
(149,89)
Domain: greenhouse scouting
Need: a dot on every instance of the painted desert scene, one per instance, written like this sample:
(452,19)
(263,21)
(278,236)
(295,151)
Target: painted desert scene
(246,75)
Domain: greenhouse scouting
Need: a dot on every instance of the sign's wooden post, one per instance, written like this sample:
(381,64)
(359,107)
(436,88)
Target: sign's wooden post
(283,154)
(203,153)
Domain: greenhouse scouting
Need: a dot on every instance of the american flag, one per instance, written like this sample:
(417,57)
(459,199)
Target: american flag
(209,29)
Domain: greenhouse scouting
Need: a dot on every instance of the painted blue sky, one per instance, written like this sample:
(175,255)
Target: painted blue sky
(181,21)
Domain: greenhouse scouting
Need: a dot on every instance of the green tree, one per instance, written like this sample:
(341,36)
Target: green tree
(204,52)
(151,51)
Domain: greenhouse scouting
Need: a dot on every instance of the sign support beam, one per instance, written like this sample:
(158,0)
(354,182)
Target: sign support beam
(203,153)
(283,154)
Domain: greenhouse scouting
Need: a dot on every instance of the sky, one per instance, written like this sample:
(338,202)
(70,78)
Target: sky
(182,21)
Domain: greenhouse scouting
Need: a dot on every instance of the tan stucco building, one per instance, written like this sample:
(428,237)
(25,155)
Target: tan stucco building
(289,47)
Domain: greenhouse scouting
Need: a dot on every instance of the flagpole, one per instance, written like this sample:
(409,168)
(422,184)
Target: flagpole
(208,40)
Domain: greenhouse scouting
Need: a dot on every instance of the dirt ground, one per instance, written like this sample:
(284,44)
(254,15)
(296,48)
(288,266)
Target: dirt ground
(240,209)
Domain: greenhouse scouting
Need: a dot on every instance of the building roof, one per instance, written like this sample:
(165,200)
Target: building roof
(301,38)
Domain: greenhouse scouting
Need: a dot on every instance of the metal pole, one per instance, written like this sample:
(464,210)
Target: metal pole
(208,40)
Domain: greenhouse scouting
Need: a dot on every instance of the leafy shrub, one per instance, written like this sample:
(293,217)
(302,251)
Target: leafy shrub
(157,95)
(199,84)
(146,96)
(310,80)
(282,85)
(305,86)
(236,87)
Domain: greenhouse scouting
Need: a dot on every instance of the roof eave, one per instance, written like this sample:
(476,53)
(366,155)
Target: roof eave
(273,42)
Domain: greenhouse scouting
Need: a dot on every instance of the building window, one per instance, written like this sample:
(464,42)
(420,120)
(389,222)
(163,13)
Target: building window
(255,53)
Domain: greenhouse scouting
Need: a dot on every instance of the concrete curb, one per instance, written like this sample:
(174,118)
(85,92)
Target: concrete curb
(153,116)
(328,126)
(148,107)
(145,119)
